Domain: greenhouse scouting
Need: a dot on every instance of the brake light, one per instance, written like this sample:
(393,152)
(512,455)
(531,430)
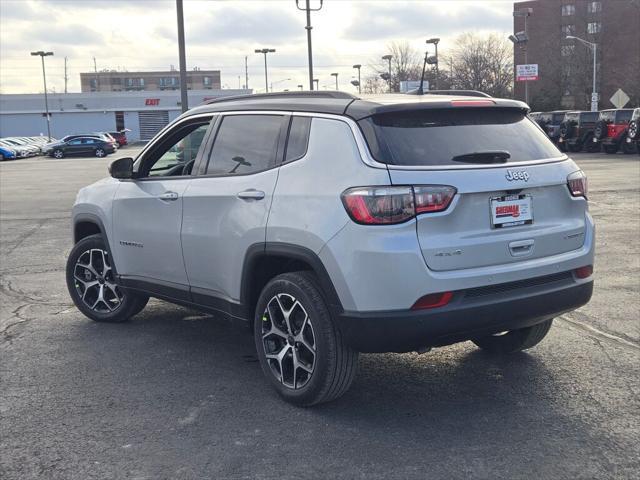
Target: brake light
(392,205)
(584,272)
(433,300)
(472,103)
(577,183)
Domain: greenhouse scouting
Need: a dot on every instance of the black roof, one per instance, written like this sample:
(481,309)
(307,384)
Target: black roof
(342,103)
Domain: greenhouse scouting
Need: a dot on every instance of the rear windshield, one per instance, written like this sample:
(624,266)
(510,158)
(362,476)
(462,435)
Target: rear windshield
(624,116)
(435,137)
(590,117)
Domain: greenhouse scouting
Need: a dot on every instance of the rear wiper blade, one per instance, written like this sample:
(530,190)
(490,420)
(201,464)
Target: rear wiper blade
(497,156)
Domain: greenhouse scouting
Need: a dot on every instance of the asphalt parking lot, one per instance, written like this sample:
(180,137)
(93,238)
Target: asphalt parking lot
(179,394)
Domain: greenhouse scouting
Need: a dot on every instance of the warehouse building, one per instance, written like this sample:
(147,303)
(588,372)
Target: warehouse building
(116,81)
(144,113)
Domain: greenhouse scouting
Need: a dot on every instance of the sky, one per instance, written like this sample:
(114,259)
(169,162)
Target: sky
(142,35)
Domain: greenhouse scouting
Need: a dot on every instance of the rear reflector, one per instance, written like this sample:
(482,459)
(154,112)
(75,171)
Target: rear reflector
(584,272)
(472,103)
(433,300)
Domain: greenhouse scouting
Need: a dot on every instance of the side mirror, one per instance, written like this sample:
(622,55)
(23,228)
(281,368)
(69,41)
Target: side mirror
(121,168)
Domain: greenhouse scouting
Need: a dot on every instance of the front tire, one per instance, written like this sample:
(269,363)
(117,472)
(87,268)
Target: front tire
(58,153)
(514,340)
(92,287)
(301,350)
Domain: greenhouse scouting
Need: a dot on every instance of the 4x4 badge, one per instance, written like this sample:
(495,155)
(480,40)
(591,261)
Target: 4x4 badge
(513,175)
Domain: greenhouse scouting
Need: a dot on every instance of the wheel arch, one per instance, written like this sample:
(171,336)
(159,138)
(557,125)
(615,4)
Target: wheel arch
(265,261)
(87,224)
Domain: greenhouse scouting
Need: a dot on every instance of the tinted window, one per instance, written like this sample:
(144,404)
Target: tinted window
(75,142)
(590,117)
(245,144)
(557,117)
(177,153)
(298,138)
(88,141)
(434,137)
(624,116)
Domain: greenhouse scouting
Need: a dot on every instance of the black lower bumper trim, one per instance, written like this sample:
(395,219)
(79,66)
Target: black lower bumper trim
(463,319)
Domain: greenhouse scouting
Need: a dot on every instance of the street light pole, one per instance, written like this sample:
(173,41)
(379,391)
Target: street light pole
(525,12)
(335,75)
(435,41)
(42,54)
(594,48)
(317,82)
(308,9)
(388,58)
(184,99)
(358,66)
(265,51)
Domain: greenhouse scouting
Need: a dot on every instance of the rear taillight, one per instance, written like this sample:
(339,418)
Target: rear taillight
(433,300)
(391,205)
(577,183)
(584,272)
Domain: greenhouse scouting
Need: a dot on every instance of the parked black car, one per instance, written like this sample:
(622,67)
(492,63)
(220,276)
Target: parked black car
(577,131)
(633,134)
(550,123)
(80,146)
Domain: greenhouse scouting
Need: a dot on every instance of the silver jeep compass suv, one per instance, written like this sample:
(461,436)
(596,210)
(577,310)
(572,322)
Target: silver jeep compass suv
(335,225)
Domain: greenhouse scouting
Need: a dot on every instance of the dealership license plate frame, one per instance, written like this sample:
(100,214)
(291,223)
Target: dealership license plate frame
(505,200)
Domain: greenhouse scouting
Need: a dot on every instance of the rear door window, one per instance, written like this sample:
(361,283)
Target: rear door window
(440,137)
(245,144)
(624,116)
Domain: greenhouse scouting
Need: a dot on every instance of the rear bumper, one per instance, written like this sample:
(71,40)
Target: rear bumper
(472,313)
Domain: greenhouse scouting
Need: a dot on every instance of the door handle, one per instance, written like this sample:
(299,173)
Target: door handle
(169,196)
(521,248)
(251,194)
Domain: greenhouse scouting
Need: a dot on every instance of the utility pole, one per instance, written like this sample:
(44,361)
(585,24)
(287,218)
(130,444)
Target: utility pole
(264,51)
(246,73)
(184,98)
(317,83)
(42,54)
(308,10)
(66,78)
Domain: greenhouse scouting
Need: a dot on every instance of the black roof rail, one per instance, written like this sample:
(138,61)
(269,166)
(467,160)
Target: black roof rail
(466,93)
(284,95)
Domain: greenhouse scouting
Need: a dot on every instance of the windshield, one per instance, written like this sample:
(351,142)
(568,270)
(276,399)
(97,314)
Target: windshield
(436,137)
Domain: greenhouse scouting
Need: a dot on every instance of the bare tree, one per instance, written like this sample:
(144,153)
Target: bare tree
(373,84)
(406,64)
(483,63)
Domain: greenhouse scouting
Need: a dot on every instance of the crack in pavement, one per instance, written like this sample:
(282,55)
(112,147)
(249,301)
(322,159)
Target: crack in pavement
(26,235)
(599,333)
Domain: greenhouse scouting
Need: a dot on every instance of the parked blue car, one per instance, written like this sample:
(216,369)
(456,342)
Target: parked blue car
(7,153)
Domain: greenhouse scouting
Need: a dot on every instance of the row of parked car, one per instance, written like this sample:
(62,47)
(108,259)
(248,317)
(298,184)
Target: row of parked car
(609,130)
(98,144)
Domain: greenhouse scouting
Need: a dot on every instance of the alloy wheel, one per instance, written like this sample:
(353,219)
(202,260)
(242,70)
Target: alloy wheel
(99,152)
(94,282)
(58,154)
(289,341)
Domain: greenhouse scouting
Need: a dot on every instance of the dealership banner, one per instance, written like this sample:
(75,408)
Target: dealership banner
(527,73)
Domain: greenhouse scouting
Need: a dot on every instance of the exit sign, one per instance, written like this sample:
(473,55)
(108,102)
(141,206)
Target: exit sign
(152,101)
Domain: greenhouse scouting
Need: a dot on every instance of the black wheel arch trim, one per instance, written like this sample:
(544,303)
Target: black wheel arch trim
(295,253)
(92,218)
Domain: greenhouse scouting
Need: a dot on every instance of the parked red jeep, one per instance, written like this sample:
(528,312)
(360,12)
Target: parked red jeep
(611,130)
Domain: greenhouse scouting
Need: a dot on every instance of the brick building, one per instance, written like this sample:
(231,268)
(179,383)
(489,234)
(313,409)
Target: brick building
(114,81)
(566,66)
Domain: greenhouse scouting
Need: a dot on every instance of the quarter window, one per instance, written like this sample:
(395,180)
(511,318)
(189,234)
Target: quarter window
(298,138)
(245,144)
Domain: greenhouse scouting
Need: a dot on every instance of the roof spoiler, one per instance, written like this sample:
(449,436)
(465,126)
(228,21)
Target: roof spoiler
(465,93)
(284,95)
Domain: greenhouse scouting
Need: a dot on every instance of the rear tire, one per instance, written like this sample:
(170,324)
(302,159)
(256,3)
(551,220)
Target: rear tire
(100,153)
(628,147)
(590,145)
(514,340)
(92,287)
(301,350)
